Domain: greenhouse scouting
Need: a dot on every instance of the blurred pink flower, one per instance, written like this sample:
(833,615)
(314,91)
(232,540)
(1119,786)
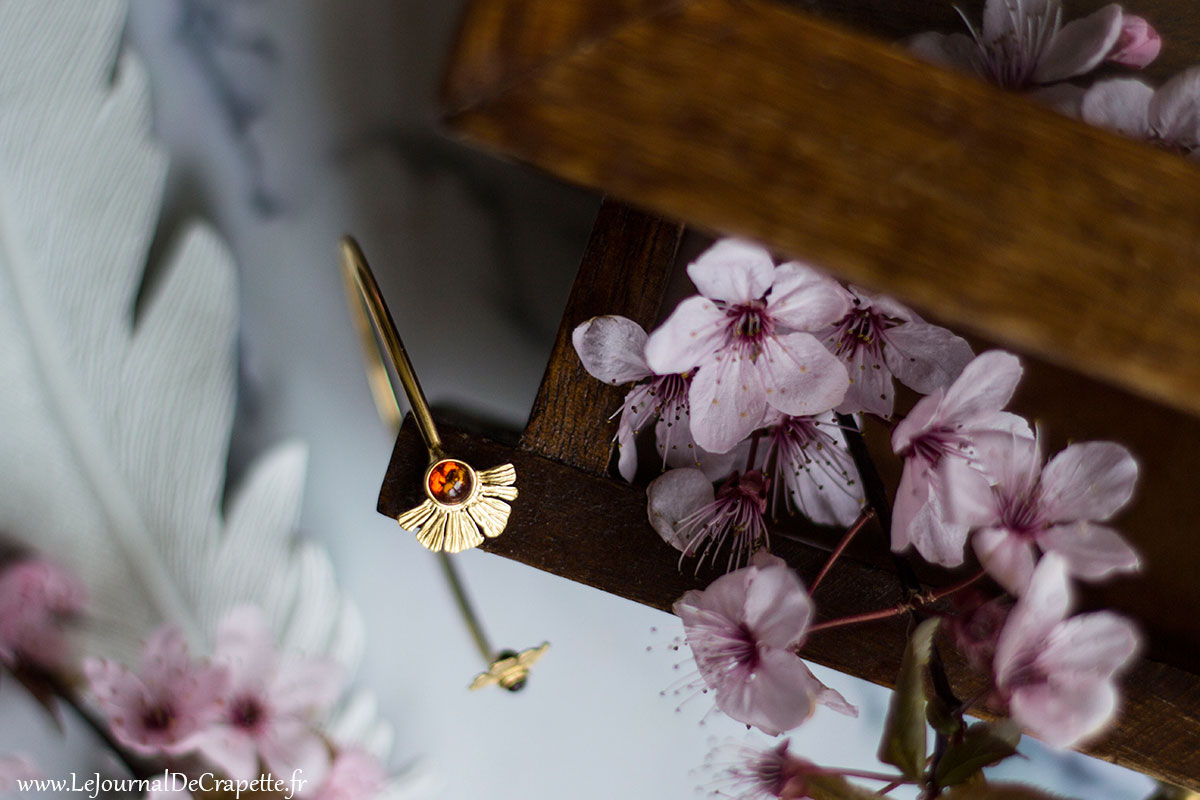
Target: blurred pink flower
(879,339)
(36,597)
(813,468)
(1168,117)
(271,705)
(765,773)
(16,767)
(355,775)
(169,701)
(1138,44)
(975,626)
(693,519)
(735,334)
(1056,510)
(1023,44)
(940,484)
(1058,674)
(744,630)
(612,349)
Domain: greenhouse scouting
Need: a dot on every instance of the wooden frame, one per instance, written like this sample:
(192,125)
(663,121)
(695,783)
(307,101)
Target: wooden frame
(1029,229)
(741,116)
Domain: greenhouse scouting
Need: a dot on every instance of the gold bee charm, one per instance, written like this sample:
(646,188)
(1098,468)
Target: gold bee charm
(461,506)
(510,669)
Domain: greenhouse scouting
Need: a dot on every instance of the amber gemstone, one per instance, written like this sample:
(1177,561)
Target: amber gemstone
(450,482)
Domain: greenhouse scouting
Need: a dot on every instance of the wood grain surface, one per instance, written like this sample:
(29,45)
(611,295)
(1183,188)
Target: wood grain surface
(747,117)
(593,530)
(624,271)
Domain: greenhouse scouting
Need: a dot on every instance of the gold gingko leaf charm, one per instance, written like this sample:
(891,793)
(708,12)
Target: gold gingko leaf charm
(510,669)
(461,506)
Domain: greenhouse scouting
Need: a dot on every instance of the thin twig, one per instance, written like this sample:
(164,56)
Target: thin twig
(866,516)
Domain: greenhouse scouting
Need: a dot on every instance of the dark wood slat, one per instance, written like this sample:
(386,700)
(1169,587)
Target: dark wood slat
(1007,219)
(626,266)
(594,530)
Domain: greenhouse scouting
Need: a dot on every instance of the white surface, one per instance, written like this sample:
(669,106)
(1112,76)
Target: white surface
(342,143)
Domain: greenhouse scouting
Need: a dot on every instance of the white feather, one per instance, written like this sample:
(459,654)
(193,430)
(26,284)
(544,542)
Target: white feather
(114,419)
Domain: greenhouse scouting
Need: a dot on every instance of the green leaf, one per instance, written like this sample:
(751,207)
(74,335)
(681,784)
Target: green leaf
(942,718)
(903,742)
(984,744)
(1001,791)
(835,787)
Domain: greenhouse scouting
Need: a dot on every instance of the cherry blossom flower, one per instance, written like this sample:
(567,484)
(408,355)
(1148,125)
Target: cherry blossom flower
(1168,117)
(736,333)
(879,339)
(16,767)
(744,630)
(170,700)
(271,704)
(36,597)
(1138,44)
(1023,44)
(355,775)
(693,519)
(813,468)
(1056,509)
(940,484)
(612,349)
(1058,674)
(761,774)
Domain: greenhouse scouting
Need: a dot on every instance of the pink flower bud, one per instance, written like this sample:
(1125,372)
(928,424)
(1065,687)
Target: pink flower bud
(1137,45)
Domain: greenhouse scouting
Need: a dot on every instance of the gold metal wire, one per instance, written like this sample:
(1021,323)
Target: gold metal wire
(374,322)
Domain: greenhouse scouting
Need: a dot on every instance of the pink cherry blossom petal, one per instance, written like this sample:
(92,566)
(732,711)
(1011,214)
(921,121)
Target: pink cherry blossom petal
(1090,480)
(689,337)
(1044,605)
(354,775)
(1175,110)
(294,746)
(1092,552)
(612,349)
(1062,715)
(804,299)
(919,421)
(245,644)
(984,386)
(871,388)
(303,687)
(733,270)
(777,608)
(1008,558)
(674,496)
(1080,46)
(801,377)
(1121,105)
(778,696)
(230,750)
(727,401)
(926,357)
(1098,644)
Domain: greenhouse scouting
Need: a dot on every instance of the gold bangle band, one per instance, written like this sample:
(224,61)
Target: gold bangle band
(447,521)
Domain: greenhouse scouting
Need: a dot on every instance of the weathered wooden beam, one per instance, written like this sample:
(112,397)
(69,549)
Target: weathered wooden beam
(593,530)
(625,270)
(746,117)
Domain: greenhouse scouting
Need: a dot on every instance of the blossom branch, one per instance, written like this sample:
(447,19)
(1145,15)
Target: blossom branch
(866,516)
